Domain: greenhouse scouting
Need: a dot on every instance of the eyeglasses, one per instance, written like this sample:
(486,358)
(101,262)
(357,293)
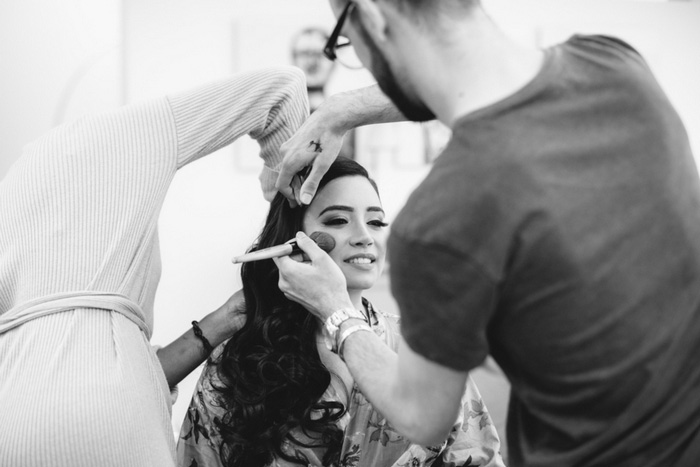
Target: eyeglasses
(338,47)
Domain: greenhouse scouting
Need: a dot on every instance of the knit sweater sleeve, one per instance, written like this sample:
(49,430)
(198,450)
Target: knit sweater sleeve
(267,104)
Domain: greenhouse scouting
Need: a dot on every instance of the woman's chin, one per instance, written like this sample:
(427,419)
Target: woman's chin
(361,284)
(360,279)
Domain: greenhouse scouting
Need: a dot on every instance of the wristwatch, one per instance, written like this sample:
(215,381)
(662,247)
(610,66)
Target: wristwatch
(332,325)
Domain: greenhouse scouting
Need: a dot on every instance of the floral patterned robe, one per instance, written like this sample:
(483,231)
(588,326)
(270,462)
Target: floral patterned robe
(370,441)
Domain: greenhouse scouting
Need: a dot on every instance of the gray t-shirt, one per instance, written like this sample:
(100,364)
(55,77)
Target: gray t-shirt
(560,232)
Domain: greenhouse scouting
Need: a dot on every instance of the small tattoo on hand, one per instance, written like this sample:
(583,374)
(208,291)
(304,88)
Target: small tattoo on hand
(317,146)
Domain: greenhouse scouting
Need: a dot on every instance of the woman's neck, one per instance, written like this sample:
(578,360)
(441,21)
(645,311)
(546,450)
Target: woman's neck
(356,299)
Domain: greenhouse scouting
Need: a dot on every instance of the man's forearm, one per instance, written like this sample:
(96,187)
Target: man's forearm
(422,410)
(363,106)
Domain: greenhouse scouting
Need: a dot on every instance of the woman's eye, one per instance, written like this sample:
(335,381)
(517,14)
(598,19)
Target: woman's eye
(378,223)
(335,221)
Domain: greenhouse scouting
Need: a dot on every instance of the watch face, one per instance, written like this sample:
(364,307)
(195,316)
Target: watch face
(332,325)
(330,335)
(338,317)
(331,328)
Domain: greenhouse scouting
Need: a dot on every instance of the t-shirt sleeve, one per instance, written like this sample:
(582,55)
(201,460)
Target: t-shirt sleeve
(268,105)
(613,45)
(449,330)
(450,247)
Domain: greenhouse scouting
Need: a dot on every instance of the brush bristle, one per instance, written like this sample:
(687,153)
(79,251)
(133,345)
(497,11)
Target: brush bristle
(324,241)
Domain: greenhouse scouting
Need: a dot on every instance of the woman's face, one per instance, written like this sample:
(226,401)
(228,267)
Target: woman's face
(349,210)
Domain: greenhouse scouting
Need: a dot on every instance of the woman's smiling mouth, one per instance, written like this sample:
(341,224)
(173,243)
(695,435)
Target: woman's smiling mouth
(361,259)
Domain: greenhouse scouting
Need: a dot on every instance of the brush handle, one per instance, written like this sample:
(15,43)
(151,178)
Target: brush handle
(267,253)
(322,239)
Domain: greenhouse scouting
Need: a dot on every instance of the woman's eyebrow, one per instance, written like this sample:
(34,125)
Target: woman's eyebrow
(337,207)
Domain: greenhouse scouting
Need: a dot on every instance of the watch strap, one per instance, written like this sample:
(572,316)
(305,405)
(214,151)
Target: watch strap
(333,322)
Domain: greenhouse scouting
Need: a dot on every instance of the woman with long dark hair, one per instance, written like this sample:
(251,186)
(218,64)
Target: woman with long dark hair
(275,395)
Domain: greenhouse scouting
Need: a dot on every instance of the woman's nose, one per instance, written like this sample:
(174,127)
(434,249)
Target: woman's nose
(362,236)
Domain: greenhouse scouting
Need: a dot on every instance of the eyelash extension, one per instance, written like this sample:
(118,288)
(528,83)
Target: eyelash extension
(335,221)
(340,221)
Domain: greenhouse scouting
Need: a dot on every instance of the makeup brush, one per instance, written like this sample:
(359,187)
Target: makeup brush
(323,240)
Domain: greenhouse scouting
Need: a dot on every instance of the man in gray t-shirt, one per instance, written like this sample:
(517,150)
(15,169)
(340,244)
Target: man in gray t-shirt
(559,231)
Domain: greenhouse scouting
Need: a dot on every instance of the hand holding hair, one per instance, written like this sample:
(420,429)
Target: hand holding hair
(318,141)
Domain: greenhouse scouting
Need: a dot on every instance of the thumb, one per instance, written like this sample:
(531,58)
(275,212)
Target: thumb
(309,247)
(310,185)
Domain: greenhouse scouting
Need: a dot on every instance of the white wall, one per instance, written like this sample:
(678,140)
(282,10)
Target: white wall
(57,60)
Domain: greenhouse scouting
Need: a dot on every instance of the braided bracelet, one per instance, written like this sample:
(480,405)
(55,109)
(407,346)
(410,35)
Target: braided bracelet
(198,332)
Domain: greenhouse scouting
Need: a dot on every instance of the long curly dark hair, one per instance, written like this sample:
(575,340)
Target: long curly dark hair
(271,372)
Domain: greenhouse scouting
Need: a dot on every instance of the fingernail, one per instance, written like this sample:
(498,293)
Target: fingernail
(306,198)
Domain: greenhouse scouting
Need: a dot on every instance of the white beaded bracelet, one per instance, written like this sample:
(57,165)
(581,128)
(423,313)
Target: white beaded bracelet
(345,334)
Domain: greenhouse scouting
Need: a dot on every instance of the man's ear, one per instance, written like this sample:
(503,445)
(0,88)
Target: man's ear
(373,19)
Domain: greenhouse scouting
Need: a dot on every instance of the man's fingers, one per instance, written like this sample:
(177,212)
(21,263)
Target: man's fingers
(282,261)
(288,170)
(318,170)
(309,247)
(300,257)
(294,201)
(290,180)
(284,186)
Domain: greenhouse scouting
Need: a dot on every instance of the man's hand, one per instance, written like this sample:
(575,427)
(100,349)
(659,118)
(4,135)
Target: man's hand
(313,147)
(318,285)
(317,143)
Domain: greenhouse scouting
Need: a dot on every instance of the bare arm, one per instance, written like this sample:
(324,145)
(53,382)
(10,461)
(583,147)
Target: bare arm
(318,141)
(420,398)
(183,355)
